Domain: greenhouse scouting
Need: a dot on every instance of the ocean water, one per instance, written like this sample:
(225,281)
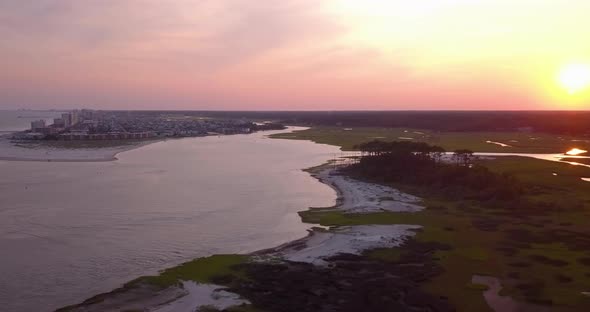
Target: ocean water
(21,120)
(72,230)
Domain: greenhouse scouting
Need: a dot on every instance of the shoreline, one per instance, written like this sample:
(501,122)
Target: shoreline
(80,154)
(46,153)
(322,173)
(110,153)
(111,156)
(319,244)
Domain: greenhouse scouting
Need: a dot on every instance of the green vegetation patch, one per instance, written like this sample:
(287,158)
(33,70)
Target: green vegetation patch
(202,270)
(520,142)
(557,185)
(558,268)
(534,266)
(474,253)
(448,226)
(386,254)
(537,242)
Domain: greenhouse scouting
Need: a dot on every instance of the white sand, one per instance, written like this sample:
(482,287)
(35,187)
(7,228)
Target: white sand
(356,196)
(355,240)
(37,151)
(199,295)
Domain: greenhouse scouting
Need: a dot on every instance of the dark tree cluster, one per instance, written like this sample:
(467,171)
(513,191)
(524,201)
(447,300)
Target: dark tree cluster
(350,284)
(268,126)
(558,122)
(451,175)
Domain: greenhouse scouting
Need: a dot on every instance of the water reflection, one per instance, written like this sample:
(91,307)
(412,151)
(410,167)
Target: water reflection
(551,157)
(498,143)
(575,152)
(71,230)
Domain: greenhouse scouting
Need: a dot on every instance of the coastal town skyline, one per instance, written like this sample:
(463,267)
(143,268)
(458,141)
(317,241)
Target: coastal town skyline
(92,125)
(295,55)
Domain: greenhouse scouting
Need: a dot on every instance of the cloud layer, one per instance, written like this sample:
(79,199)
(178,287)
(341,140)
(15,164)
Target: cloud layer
(288,54)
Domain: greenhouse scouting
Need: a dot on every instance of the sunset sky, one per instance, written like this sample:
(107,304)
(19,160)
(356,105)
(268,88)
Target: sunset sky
(295,54)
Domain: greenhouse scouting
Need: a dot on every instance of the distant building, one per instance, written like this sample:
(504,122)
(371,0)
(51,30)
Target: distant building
(67,119)
(37,124)
(49,130)
(75,117)
(87,114)
(90,123)
(80,135)
(58,122)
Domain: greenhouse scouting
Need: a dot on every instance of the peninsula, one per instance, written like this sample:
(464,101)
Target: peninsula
(94,135)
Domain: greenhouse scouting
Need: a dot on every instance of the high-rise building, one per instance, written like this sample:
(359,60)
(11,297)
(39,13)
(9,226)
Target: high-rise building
(37,124)
(58,122)
(87,114)
(67,119)
(75,117)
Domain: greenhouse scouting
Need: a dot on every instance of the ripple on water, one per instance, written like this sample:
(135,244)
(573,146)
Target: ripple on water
(74,233)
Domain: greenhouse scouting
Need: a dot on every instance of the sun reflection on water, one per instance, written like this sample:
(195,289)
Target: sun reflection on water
(575,152)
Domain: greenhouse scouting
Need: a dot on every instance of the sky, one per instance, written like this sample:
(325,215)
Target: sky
(295,54)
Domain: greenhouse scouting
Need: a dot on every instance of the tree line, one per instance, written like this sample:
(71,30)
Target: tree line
(452,175)
(558,122)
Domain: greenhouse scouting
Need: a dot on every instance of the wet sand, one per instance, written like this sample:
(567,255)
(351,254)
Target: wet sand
(356,196)
(37,151)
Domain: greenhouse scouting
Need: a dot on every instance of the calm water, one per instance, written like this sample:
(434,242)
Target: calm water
(72,230)
(21,120)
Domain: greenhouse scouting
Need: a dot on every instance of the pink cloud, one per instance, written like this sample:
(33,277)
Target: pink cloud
(237,54)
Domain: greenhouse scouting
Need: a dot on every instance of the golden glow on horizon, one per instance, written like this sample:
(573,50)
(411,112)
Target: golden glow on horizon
(575,152)
(390,8)
(308,54)
(575,77)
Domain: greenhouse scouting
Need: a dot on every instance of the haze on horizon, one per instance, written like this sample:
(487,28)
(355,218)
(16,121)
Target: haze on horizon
(295,54)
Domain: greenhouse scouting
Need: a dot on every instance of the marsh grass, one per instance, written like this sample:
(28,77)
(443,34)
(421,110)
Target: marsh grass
(201,270)
(540,256)
(475,141)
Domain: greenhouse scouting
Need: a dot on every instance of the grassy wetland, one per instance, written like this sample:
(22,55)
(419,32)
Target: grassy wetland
(518,142)
(536,245)
(518,220)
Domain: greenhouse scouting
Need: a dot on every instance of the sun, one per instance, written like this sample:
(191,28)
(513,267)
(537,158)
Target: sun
(575,77)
